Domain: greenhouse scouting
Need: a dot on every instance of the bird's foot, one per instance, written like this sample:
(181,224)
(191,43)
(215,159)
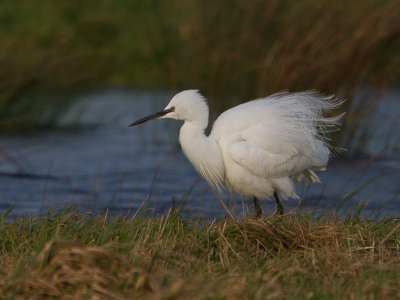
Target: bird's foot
(257,209)
(257,214)
(279,210)
(279,207)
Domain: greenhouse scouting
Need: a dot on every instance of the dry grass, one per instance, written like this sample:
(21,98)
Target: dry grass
(70,256)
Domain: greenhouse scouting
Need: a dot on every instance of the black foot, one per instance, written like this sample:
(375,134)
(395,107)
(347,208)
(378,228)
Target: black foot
(257,209)
(279,207)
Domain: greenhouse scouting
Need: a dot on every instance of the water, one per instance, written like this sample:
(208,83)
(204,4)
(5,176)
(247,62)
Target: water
(116,168)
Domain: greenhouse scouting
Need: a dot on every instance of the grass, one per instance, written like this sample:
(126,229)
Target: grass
(69,255)
(52,48)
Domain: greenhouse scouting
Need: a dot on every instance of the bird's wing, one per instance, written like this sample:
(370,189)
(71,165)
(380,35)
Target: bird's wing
(268,151)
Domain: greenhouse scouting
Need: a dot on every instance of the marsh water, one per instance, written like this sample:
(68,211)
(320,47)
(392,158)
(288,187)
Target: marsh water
(106,166)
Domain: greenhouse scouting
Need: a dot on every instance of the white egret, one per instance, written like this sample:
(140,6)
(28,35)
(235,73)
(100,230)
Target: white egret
(258,149)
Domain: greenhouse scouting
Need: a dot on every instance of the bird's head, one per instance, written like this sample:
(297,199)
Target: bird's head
(188,105)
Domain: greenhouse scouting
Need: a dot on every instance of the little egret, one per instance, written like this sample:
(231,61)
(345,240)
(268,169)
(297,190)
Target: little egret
(258,149)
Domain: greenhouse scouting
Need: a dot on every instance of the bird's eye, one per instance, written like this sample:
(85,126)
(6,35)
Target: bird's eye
(173,108)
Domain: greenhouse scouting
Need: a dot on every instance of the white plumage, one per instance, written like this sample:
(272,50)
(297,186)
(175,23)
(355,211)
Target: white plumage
(260,148)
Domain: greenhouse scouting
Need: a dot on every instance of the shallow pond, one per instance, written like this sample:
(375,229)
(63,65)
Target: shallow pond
(116,168)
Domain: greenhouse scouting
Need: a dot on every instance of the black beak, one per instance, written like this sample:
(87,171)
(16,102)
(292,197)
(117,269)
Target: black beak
(152,116)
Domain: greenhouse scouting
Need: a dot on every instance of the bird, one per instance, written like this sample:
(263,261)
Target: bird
(259,149)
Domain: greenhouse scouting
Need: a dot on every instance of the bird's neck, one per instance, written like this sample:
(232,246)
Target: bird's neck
(203,152)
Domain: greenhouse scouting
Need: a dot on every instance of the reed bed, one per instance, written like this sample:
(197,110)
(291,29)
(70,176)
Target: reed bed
(233,51)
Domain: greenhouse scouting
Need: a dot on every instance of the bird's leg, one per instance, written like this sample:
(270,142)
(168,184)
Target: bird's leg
(257,209)
(279,207)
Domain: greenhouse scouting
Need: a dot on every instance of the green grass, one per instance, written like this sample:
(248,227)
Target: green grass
(69,255)
(232,50)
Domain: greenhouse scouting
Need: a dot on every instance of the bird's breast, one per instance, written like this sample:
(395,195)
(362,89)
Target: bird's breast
(204,153)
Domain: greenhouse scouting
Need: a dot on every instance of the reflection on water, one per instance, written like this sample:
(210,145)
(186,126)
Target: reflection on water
(115,167)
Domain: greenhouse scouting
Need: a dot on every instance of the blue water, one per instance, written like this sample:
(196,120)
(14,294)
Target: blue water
(119,169)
